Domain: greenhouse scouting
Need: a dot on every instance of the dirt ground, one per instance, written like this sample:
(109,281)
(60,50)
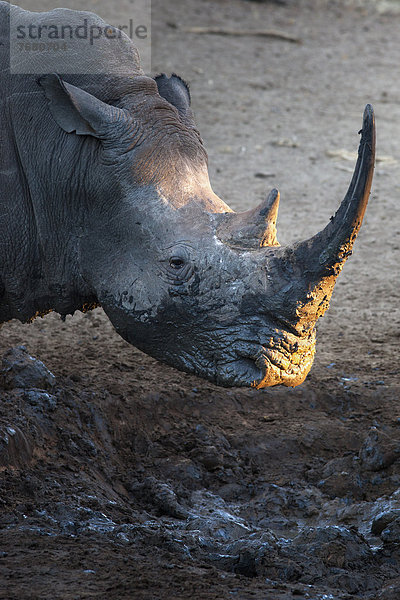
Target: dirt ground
(122,478)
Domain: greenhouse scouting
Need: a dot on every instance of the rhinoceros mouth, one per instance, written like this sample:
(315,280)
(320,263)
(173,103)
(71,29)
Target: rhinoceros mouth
(265,368)
(284,361)
(278,368)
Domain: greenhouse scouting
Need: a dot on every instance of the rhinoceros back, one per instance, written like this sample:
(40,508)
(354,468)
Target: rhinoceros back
(68,41)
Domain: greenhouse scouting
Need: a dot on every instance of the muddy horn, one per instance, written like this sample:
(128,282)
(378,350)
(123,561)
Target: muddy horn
(325,253)
(319,260)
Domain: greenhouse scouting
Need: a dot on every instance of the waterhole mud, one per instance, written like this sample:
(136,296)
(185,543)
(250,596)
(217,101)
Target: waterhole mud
(122,478)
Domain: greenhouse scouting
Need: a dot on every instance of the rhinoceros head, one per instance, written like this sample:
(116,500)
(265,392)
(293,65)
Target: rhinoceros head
(180,275)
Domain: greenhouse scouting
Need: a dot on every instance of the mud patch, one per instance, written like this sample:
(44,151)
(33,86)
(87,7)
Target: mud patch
(208,486)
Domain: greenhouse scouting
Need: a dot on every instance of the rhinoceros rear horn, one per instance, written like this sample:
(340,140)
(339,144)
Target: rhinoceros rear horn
(74,109)
(255,227)
(325,253)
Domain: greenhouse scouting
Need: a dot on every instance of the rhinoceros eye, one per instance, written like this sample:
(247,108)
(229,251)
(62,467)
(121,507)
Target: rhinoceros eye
(176,262)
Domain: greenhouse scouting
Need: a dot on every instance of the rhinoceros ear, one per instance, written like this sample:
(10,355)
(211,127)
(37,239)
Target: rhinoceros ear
(76,110)
(176,91)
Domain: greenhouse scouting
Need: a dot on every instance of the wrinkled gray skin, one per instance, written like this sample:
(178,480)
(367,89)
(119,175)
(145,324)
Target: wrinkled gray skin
(105,199)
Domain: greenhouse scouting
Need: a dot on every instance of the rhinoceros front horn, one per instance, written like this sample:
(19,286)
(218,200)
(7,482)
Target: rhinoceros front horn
(324,254)
(254,228)
(318,261)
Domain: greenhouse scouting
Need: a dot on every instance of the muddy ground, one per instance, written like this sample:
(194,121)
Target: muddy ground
(123,478)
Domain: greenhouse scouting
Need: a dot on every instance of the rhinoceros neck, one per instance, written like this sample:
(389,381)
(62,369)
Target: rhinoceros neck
(43,278)
(40,225)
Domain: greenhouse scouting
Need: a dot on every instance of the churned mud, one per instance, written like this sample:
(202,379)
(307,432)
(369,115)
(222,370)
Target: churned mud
(123,478)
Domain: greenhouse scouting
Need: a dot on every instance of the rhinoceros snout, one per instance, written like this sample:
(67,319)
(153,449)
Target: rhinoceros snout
(280,368)
(282,358)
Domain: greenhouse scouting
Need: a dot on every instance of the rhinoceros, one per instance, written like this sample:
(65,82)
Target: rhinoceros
(106,200)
